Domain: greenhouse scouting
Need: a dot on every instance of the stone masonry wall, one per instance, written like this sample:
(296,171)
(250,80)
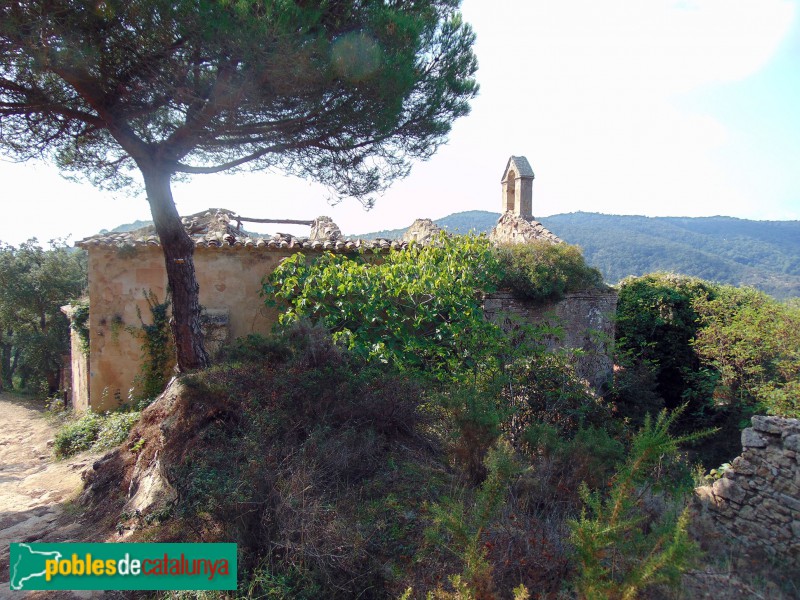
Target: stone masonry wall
(755,506)
(585,318)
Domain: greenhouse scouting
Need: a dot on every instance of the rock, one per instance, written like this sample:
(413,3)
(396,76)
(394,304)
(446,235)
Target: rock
(768,424)
(323,229)
(514,229)
(422,231)
(750,439)
(730,490)
(149,491)
(792,442)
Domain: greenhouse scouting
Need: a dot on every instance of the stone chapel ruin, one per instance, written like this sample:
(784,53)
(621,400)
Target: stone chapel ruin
(230,264)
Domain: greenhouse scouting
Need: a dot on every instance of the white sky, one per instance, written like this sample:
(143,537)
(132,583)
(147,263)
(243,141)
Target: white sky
(661,108)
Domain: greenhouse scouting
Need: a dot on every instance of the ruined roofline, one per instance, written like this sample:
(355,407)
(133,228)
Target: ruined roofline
(215,228)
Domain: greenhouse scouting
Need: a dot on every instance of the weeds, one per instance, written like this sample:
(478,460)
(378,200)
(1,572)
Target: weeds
(93,431)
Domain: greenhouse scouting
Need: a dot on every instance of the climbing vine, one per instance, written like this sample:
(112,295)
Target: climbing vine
(80,323)
(158,350)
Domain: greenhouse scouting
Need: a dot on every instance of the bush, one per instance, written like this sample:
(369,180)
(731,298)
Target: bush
(542,272)
(77,436)
(284,458)
(636,536)
(417,309)
(257,348)
(92,431)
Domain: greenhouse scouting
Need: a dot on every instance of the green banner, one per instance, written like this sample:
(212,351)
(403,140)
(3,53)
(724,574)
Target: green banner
(123,567)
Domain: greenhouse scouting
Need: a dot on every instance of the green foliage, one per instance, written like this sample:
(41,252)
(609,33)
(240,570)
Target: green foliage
(418,309)
(344,93)
(34,333)
(458,525)
(762,254)
(158,350)
(622,545)
(80,322)
(591,447)
(753,341)
(541,271)
(656,323)
(92,431)
(295,456)
(256,348)
(77,436)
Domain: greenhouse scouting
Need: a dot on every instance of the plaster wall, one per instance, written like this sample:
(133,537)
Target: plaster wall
(229,280)
(79,375)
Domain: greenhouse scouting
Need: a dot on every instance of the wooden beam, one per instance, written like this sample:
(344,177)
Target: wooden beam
(281,221)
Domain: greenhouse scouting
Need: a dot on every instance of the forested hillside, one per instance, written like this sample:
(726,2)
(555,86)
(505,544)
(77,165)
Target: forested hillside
(763,254)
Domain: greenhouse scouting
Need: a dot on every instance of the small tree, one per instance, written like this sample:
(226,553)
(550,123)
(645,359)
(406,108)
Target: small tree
(419,309)
(754,342)
(346,92)
(619,550)
(34,334)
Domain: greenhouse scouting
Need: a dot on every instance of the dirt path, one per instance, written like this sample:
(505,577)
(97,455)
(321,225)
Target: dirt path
(34,488)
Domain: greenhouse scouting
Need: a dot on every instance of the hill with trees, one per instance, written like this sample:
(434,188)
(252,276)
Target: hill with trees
(762,254)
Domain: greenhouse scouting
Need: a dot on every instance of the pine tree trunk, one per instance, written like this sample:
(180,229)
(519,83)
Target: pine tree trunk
(178,251)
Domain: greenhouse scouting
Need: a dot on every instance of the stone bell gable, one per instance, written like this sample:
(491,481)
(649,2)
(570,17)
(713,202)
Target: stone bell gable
(517,187)
(516,224)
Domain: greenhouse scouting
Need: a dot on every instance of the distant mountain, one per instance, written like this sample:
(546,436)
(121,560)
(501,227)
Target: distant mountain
(763,254)
(128,227)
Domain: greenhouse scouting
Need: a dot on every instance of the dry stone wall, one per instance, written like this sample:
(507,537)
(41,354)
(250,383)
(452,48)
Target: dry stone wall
(586,320)
(755,506)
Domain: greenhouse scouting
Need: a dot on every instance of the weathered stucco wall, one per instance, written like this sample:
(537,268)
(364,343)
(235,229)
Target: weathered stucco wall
(229,279)
(586,319)
(75,378)
(754,509)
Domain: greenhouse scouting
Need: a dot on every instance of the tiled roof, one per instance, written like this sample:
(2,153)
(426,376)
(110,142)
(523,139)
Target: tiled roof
(213,229)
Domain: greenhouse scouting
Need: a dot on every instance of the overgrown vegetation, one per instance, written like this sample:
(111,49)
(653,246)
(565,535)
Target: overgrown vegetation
(93,431)
(389,442)
(418,309)
(542,271)
(158,349)
(623,542)
(727,352)
(35,282)
(79,322)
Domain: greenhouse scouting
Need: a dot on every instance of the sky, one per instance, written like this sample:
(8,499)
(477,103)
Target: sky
(657,108)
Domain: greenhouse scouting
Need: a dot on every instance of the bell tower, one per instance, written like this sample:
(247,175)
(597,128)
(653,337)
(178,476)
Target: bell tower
(517,187)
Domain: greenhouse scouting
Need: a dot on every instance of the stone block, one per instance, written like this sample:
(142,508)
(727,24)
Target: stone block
(742,466)
(790,502)
(751,439)
(768,424)
(730,490)
(792,442)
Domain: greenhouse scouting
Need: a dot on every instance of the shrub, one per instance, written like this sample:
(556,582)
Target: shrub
(636,536)
(284,458)
(255,347)
(542,271)
(77,436)
(418,309)
(459,526)
(753,341)
(656,322)
(93,431)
